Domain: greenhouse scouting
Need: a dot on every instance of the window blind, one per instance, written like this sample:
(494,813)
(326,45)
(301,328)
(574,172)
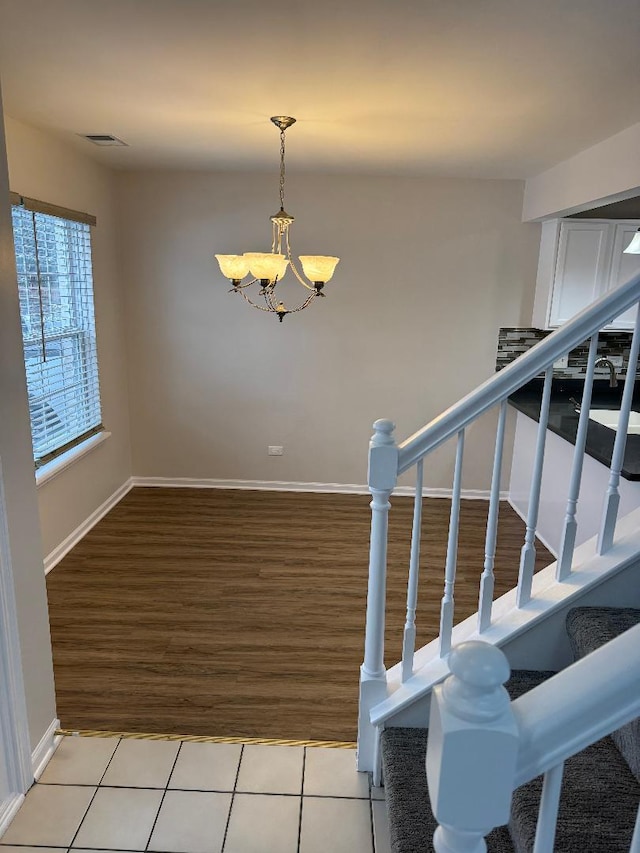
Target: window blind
(55,284)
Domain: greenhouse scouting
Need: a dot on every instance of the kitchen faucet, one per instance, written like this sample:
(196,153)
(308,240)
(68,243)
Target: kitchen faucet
(613,379)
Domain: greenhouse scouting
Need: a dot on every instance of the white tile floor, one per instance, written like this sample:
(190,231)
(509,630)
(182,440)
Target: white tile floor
(178,797)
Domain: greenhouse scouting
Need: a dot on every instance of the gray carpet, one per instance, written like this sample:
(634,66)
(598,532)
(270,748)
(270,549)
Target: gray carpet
(600,791)
(598,805)
(588,629)
(411,821)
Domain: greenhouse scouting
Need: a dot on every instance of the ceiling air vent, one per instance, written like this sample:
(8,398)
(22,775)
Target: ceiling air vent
(103,139)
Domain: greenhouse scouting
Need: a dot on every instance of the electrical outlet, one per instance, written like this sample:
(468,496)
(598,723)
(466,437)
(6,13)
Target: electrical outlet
(616,360)
(561,363)
(275,450)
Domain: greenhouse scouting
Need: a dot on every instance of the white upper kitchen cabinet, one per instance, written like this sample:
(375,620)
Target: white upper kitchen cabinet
(622,268)
(580,259)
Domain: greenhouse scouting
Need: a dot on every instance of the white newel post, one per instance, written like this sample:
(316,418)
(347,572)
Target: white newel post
(472,749)
(383,473)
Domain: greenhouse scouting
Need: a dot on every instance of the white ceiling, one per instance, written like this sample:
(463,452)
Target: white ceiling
(483,88)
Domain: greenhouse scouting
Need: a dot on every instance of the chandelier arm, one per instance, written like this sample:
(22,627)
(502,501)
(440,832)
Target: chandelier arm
(271,309)
(298,276)
(293,266)
(306,302)
(253,304)
(268,298)
(242,286)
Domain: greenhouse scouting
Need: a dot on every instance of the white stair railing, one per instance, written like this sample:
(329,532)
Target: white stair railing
(387,461)
(487,579)
(472,749)
(568,541)
(612,500)
(383,462)
(447,603)
(409,638)
(528,554)
(470,788)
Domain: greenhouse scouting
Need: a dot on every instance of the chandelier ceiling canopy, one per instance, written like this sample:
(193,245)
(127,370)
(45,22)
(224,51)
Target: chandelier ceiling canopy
(268,268)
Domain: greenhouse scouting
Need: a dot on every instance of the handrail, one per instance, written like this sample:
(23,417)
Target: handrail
(525,368)
(578,706)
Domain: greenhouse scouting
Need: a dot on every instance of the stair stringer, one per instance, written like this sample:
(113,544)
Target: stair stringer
(531,634)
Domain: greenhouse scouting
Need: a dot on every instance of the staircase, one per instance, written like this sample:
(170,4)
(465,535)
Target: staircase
(456,680)
(600,790)
(400,694)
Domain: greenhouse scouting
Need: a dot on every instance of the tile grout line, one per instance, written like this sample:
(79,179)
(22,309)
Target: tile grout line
(35,846)
(95,794)
(166,787)
(164,794)
(371,801)
(233,795)
(235,790)
(304,767)
(93,849)
(373,832)
(194,791)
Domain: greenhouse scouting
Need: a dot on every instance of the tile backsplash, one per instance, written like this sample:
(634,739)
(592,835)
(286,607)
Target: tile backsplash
(514,342)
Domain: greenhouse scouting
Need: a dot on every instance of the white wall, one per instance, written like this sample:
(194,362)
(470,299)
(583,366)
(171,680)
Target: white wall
(604,173)
(23,545)
(430,269)
(42,166)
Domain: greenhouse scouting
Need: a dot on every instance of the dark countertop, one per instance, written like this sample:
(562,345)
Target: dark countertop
(563,419)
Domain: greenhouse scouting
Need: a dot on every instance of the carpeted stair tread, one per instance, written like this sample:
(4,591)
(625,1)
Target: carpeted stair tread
(598,805)
(411,821)
(599,798)
(588,629)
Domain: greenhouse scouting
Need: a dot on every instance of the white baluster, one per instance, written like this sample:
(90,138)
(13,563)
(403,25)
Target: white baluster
(635,841)
(447,604)
(568,541)
(487,580)
(612,498)
(377,759)
(471,750)
(449,840)
(548,813)
(409,638)
(383,473)
(528,553)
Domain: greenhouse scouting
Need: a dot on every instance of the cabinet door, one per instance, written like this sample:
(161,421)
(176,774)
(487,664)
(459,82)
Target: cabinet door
(582,267)
(622,268)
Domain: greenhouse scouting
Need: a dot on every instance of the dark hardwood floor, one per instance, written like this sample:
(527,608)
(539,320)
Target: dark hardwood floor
(239,613)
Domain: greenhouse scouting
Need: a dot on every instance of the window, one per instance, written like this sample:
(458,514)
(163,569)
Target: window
(53,260)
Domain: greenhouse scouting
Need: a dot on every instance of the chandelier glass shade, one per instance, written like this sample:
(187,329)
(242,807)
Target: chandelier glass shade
(267,269)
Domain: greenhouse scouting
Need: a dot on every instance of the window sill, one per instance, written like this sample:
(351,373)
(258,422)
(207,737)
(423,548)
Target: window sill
(52,469)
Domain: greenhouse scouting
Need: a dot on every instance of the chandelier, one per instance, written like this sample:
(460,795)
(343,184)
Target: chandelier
(268,268)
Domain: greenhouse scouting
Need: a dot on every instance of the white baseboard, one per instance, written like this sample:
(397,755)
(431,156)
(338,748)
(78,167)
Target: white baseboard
(44,750)
(524,518)
(73,538)
(8,810)
(253,485)
(52,559)
(290,486)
